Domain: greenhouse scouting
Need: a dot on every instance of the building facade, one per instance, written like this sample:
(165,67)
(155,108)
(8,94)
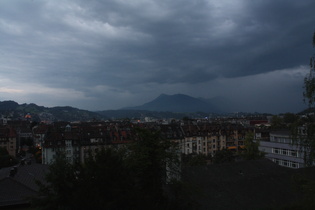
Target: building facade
(8,138)
(280,149)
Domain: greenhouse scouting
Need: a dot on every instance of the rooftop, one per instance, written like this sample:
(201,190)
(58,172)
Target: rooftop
(256,184)
(17,189)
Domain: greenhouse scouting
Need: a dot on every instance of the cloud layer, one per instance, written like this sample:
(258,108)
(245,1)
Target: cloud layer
(99,55)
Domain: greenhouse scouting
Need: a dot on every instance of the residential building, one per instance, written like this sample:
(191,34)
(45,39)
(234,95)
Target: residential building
(8,138)
(39,132)
(208,138)
(280,149)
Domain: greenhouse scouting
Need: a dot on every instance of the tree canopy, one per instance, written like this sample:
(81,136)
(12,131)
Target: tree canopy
(309,81)
(130,178)
(304,130)
(6,160)
(251,151)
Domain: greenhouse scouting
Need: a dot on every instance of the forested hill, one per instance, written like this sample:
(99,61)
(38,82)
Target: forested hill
(15,111)
(178,103)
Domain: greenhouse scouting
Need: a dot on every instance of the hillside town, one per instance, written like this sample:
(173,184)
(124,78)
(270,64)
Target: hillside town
(158,105)
(32,143)
(193,136)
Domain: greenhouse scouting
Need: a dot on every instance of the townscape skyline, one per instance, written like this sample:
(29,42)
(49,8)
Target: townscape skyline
(101,55)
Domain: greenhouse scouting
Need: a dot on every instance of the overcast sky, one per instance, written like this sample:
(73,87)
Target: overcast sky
(100,55)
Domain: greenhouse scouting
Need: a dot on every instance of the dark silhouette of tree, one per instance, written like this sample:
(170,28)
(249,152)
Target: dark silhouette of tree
(150,161)
(6,160)
(105,183)
(131,178)
(309,81)
(277,123)
(289,118)
(223,156)
(304,131)
(61,185)
(304,186)
(194,159)
(251,151)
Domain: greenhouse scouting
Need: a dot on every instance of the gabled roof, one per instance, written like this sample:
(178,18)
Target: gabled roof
(255,184)
(19,189)
(13,193)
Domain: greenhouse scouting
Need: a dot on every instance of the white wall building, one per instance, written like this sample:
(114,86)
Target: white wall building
(280,149)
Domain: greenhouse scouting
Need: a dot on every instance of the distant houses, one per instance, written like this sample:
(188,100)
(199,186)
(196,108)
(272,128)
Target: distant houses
(79,140)
(8,140)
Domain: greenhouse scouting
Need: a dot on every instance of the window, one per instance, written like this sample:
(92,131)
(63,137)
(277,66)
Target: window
(286,163)
(293,153)
(284,152)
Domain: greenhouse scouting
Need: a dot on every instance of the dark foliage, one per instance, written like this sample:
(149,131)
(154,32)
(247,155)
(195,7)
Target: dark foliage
(37,153)
(251,151)
(26,141)
(194,160)
(132,178)
(223,156)
(309,81)
(277,123)
(303,131)
(6,160)
(289,118)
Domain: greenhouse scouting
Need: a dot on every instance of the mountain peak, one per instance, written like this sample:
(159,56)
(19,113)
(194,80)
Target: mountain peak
(177,103)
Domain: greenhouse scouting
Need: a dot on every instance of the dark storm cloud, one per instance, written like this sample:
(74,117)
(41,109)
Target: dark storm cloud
(134,50)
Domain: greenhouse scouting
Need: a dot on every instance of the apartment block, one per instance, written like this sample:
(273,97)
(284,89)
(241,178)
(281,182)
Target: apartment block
(280,149)
(8,139)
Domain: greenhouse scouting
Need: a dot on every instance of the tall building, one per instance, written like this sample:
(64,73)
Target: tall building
(8,140)
(280,149)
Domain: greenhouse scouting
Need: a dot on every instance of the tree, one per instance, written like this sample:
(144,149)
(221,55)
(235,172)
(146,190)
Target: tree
(223,156)
(251,151)
(277,122)
(289,118)
(105,182)
(61,183)
(151,159)
(303,134)
(37,153)
(6,160)
(304,131)
(309,81)
(132,178)
(194,159)
(304,185)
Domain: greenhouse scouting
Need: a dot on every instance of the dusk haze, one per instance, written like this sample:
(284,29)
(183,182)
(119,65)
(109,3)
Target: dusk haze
(106,55)
(157,104)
